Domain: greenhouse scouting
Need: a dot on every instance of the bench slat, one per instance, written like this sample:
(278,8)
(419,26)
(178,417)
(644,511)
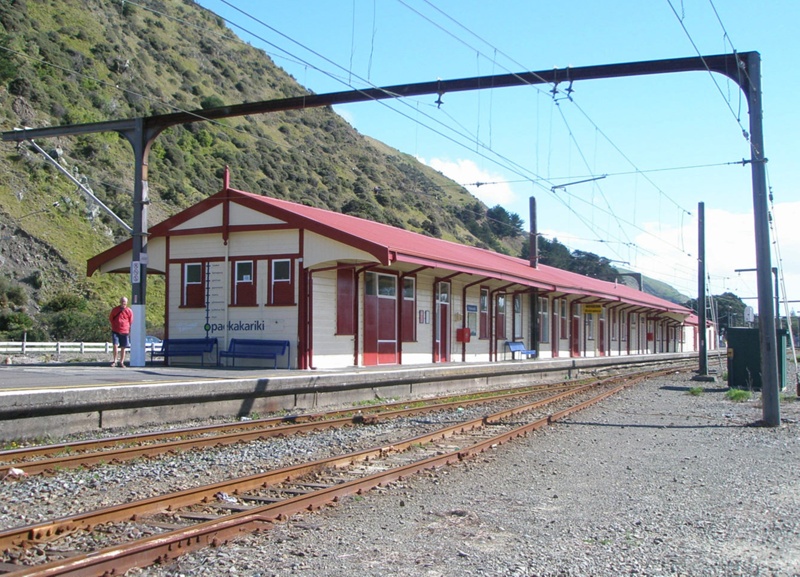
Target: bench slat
(186,348)
(257,349)
(519,347)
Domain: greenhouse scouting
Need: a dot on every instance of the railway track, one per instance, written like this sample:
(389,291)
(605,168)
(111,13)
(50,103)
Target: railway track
(50,458)
(99,542)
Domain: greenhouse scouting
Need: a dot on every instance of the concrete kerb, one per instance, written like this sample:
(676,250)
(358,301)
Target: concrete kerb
(37,413)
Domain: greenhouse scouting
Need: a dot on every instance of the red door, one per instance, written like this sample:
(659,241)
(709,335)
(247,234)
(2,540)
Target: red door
(574,335)
(380,319)
(628,332)
(601,335)
(441,346)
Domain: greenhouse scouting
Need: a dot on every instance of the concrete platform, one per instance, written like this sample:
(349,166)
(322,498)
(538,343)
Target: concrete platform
(49,400)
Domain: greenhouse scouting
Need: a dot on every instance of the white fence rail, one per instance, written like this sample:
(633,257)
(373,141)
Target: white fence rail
(51,348)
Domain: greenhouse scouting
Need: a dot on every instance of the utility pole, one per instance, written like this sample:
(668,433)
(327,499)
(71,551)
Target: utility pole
(770,401)
(742,68)
(702,373)
(534,236)
(534,263)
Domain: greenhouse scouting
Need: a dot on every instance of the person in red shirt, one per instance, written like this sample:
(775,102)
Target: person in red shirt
(121,318)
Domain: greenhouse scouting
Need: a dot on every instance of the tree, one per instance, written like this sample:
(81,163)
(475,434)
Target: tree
(553,253)
(211,102)
(729,309)
(504,223)
(15,326)
(589,264)
(69,317)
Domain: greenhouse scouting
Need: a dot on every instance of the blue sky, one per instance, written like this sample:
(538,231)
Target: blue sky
(657,145)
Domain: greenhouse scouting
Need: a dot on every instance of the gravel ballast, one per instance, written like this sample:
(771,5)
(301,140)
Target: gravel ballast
(653,481)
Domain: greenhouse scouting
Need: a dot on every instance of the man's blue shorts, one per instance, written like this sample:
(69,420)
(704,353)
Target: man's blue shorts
(121,340)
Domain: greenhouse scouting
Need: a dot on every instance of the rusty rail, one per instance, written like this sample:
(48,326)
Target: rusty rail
(112,450)
(161,548)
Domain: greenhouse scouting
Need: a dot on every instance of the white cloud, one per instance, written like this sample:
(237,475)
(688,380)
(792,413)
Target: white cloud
(492,190)
(730,247)
(670,253)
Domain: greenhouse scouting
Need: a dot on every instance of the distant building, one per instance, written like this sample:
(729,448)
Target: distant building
(350,292)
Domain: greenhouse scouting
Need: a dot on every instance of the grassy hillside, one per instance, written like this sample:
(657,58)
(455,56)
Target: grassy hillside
(66,62)
(73,61)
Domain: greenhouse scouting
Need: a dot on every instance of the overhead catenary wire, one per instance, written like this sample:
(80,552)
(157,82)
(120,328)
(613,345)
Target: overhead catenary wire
(727,41)
(554,90)
(490,143)
(597,185)
(514,167)
(477,140)
(782,278)
(736,116)
(111,185)
(350,73)
(569,208)
(172,106)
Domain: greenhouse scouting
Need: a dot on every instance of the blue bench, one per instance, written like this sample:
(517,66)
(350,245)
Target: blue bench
(186,348)
(257,349)
(519,347)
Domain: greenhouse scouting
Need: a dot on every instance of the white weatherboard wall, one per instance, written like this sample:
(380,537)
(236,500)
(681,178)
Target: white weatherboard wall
(476,349)
(196,247)
(208,218)
(244,216)
(226,322)
(330,350)
(320,251)
(420,351)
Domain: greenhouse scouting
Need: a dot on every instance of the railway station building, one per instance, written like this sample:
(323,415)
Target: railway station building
(348,292)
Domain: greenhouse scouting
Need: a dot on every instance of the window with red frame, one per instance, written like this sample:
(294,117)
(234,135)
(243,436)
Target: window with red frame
(193,282)
(408,324)
(483,312)
(614,325)
(623,326)
(500,317)
(517,316)
(544,320)
(244,283)
(282,282)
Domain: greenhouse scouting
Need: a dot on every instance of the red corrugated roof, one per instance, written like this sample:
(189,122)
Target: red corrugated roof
(390,244)
(411,247)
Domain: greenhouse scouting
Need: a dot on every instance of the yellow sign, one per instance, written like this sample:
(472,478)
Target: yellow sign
(593,309)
